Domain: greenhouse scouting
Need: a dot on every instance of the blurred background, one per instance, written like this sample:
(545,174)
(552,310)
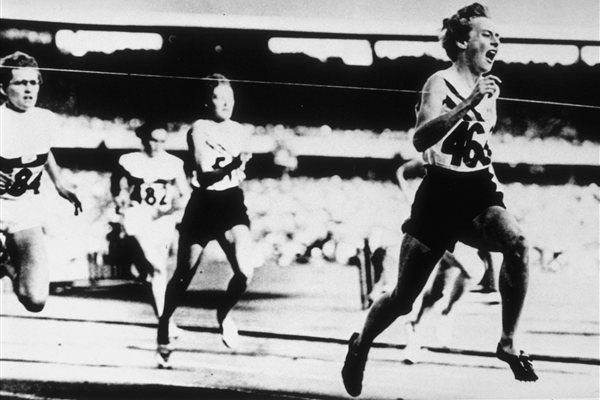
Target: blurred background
(330,89)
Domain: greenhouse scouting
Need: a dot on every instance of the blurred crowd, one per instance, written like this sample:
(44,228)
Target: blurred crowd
(91,132)
(325,220)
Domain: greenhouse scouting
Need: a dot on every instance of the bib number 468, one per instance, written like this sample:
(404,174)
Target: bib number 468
(463,149)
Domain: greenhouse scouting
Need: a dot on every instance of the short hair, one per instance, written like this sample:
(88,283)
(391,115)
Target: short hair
(18,59)
(145,130)
(212,81)
(457,27)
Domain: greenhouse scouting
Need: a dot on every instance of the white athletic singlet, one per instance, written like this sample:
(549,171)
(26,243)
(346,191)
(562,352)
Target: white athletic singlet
(465,146)
(152,179)
(221,141)
(25,141)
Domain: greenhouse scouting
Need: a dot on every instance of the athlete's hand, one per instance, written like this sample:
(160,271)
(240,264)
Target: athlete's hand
(121,202)
(6,181)
(486,86)
(71,197)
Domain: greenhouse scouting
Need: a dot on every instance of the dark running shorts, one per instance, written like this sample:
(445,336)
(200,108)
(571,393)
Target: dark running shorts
(446,204)
(210,213)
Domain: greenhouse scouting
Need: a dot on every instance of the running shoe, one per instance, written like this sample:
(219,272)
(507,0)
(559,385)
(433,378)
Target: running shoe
(354,366)
(413,351)
(163,354)
(229,333)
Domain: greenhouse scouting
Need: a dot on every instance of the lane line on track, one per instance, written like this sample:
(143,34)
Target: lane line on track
(320,339)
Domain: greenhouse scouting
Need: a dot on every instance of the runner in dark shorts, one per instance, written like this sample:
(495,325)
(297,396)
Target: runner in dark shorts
(457,270)
(446,204)
(457,199)
(216,211)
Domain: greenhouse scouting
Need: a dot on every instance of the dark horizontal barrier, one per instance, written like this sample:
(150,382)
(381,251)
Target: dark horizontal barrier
(263,166)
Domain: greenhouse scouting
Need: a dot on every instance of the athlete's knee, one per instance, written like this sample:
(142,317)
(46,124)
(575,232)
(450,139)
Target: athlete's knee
(518,249)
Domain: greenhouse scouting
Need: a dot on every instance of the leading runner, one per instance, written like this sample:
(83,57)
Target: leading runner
(458,198)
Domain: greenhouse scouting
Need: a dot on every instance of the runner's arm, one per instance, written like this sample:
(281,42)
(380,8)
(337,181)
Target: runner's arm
(402,184)
(119,188)
(432,123)
(196,146)
(54,174)
(415,167)
(183,188)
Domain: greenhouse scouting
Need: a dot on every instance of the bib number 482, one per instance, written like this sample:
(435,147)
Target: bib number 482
(463,149)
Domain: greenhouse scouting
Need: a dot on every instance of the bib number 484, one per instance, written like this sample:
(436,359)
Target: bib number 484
(22,183)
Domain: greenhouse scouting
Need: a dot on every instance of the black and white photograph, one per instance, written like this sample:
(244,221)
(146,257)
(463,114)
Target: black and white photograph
(299,199)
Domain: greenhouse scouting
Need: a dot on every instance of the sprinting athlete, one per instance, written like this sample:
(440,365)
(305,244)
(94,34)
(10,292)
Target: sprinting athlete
(216,211)
(452,276)
(458,198)
(149,187)
(25,153)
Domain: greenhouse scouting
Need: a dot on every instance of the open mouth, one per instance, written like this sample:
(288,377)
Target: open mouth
(490,55)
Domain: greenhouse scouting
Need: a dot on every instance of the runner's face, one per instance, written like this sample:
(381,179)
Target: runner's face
(222,101)
(22,90)
(483,45)
(156,142)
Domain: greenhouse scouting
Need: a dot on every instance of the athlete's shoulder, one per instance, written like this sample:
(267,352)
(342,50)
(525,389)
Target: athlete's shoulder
(243,131)
(45,117)
(4,111)
(237,126)
(128,159)
(200,130)
(437,80)
(37,113)
(170,159)
(44,112)
(446,73)
(202,126)
(435,88)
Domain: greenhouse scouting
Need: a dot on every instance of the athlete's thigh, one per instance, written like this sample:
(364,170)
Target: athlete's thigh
(236,243)
(28,253)
(494,230)
(238,234)
(155,242)
(415,265)
(189,255)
